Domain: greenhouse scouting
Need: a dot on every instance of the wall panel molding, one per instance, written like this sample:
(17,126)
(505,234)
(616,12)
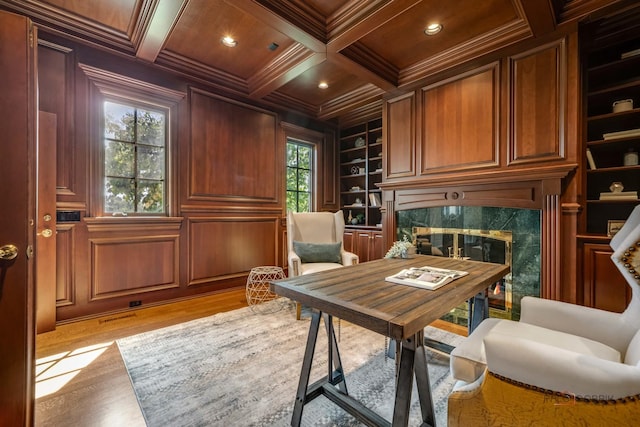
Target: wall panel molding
(460,122)
(224,247)
(123,266)
(65,264)
(234,155)
(537,88)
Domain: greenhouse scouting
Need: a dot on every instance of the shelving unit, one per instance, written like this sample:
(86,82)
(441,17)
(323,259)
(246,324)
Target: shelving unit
(360,171)
(609,78)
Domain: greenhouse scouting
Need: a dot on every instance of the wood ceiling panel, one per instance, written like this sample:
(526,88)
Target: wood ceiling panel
(402,42)
(326,7)
(305,86)
(363,48)
(116,14)
(202,25)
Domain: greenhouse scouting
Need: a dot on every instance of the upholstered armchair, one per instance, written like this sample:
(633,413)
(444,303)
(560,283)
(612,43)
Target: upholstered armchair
(561,364)
(314,242)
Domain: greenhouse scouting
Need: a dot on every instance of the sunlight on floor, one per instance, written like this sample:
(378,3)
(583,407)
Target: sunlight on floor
(53,372)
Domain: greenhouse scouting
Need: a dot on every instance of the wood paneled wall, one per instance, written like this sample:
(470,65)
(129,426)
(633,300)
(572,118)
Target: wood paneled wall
(226,187)
(496,135)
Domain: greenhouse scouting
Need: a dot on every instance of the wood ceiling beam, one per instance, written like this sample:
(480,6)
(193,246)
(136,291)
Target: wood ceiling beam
(539,15)
(286,67)
(277,22)
(164,16)
(364,73)
(349,26)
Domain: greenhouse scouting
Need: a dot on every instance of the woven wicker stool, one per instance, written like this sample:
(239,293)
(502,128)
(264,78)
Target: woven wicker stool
(258,290)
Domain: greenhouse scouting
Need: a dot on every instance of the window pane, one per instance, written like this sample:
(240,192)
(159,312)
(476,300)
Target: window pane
(304,202)
(150,197)
(119,195)
(151,162)
(119,121)
(119,159)
(292,157)
(304,157)
(291,201)
(304,180)
(299,177)
(292,179)
(151,128)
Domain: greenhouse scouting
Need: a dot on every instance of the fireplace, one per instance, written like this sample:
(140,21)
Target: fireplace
(478,245)
(509,236)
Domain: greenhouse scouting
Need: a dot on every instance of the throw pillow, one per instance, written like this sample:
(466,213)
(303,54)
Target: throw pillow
(318,252)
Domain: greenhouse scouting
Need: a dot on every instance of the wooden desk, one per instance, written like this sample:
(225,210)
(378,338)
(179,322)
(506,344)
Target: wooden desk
(360,295)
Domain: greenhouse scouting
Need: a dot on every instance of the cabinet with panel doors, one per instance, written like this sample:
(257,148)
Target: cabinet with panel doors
(366,242)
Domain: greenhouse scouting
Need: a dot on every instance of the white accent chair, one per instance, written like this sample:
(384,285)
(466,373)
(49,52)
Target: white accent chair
(313,230)
(561,364)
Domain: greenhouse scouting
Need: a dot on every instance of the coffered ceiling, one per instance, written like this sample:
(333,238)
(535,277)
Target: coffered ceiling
(360,48)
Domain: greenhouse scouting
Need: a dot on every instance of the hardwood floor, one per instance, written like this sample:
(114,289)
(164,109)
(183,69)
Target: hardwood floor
(80,376)
(83,360)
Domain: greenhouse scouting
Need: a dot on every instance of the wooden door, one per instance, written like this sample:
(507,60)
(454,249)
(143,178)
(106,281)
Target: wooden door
(46,224)
(17,195)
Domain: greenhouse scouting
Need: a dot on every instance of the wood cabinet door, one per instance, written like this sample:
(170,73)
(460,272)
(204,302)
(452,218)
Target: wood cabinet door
(348,241)
(604,287)
(376,245)
(363,243)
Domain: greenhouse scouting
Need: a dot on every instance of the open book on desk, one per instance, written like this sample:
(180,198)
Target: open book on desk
(426,277)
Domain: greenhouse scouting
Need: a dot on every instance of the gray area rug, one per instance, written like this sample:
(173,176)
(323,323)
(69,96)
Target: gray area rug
(241,368)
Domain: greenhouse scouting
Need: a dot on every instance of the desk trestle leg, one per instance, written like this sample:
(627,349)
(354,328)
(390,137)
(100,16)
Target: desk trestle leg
(413,360)
(335,372)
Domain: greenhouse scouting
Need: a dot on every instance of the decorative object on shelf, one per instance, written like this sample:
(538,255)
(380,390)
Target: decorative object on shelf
(355,188)
(355,170)
(358,219)
(631,157)
(359,142)
(358,202)
(616,187)
(623,105)
(349,218)
(378,140)
(592,163)
(613,226)
(622,134)
(617,193)
(401,249)
(630,54)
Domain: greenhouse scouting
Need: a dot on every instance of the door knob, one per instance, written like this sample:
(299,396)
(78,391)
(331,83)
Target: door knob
(8,252)
(47,232)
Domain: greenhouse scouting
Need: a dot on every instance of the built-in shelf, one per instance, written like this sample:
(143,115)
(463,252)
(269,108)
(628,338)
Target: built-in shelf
(610,78)
(361,147)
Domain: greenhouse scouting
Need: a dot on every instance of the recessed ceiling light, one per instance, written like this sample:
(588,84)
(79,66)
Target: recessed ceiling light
(229,41)
(433,29)
(323,85)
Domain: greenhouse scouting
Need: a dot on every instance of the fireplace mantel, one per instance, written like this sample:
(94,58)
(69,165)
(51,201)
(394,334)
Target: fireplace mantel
(525,188)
